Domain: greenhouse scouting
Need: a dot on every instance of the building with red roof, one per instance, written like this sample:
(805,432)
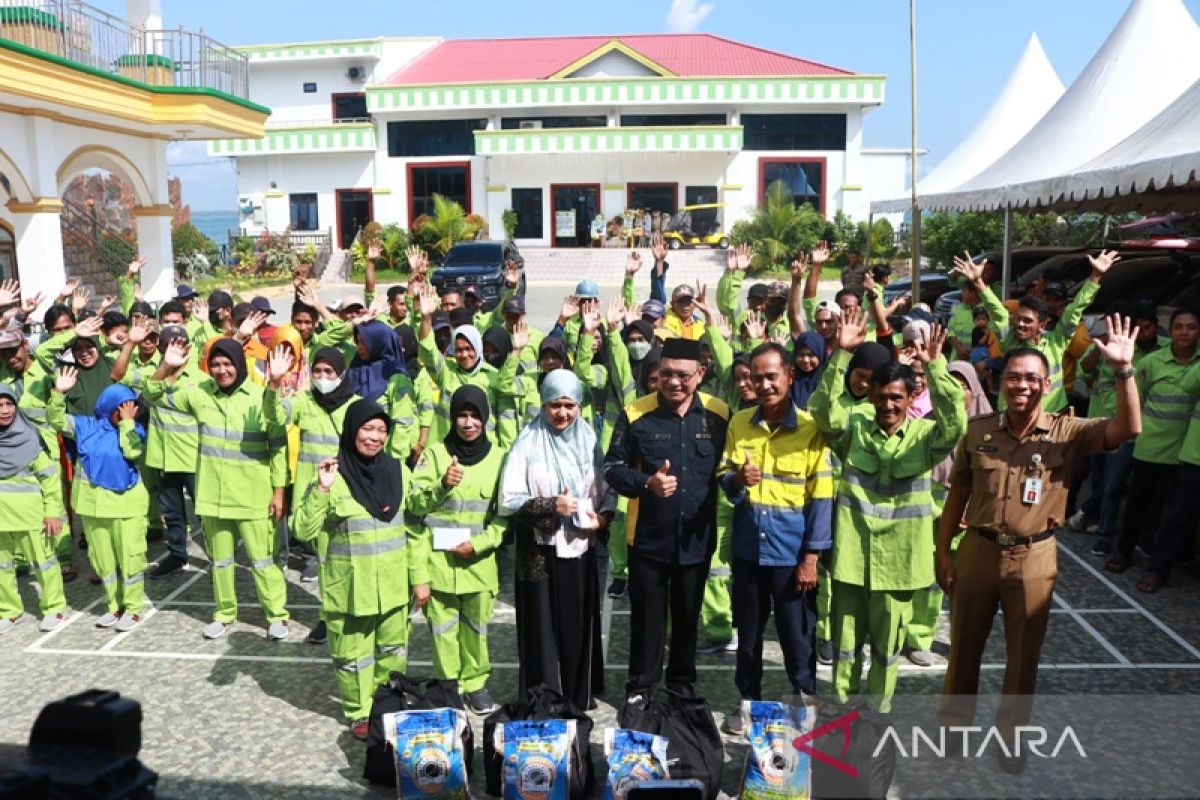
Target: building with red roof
(562,130)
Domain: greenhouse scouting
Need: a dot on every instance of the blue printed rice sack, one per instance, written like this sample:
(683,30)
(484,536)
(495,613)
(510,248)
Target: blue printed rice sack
(775,768)
(633,758)
(537,758)
(429,754)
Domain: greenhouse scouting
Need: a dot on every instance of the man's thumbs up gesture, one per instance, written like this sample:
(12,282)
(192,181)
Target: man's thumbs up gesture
(749,474)
(662,483)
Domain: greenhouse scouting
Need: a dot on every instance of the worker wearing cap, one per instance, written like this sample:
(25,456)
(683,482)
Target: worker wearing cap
(884,514)
(587,297)
(1009,483)
(513,310)
(681,317)
(185,295)
(15,360)
(1028,324)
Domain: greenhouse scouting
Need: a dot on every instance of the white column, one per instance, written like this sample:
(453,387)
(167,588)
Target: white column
(38,232)
(853,173)
(154,245)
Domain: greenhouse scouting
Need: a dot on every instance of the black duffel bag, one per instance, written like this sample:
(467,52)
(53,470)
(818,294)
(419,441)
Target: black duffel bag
(402,693)
(694,747)
(835,781)
(541,702)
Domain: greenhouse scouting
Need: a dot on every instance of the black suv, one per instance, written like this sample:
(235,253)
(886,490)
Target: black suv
(480,264)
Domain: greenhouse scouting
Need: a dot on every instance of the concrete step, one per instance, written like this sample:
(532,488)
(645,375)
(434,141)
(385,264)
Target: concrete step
(337,268)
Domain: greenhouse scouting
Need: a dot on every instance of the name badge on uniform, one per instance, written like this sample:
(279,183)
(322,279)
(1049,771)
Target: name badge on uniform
(1031,491)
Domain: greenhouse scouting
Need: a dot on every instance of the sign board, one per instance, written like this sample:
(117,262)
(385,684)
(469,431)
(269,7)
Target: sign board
(564,223)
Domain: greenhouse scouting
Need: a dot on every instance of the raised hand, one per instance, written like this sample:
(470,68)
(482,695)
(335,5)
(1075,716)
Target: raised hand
(10,292)
(127,410)
(616,314)
(199,308)
(591,320)
(418,262)
(1103,262)
(570,307)
(140,330)
(66,378)
(702,297)
(176,355)
(662,483)
(428,301)
(799,268)
(80,299)
(869,282)
(135,266)
(633,264)
(820,254)
(755,325)
(106,303)
(565,505)
(633,314)
(373,251)
(931,349)
(744,254)
(327,472)
(721,323)
(453,475)
(658,248)
(520,335)
(968,268)
(852,329)
(379,305)
(88,328)
(279,363)
(68,289)
(253,321)
(31,303)
(749,474)
(1118,346)
(307,295)
(512,274)
(731,261)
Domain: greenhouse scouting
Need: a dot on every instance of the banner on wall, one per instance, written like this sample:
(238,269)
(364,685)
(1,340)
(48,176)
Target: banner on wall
(564,223)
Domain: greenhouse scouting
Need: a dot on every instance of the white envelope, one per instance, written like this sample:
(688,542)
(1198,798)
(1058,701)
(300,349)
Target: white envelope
(450,538)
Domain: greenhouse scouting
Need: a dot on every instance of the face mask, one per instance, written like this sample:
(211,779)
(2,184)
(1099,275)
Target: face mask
(496,361)
(326,385)
(638,350)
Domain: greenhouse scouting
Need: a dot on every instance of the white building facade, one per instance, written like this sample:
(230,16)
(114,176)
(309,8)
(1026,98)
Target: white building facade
(557,129)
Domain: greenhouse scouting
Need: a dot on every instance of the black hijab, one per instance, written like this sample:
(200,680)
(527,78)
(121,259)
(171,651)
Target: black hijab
(868,355)
(90,382)
(408,343)
(555,345)
(499,338)
(232,350)
(374,482)
(642,366)
(468,453)
(334,400)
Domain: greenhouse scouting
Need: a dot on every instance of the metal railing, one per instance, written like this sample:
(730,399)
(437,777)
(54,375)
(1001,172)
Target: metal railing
(298,241)
(88,36)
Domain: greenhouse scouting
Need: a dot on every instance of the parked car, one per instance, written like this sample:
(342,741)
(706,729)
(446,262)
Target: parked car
(480,264)
(933,286)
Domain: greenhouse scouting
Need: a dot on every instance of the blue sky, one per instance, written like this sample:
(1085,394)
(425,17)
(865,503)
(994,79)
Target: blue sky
(965,50)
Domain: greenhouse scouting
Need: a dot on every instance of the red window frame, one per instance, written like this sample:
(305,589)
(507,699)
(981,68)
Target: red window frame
(408,179)
(762,170)
(333,98)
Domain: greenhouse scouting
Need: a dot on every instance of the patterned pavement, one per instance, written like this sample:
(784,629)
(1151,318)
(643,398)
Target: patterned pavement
(245,717)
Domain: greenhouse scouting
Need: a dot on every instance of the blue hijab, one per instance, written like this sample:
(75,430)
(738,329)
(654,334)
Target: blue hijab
(806,384)
(98,442)
(385,358)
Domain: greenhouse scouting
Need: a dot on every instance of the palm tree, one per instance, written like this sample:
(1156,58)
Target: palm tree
(779,229)
(448,224)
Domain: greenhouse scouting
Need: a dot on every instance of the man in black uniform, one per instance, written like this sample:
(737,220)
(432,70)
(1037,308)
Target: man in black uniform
(664,457)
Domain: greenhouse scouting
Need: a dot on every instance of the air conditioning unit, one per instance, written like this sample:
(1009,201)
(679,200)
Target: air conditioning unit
(357,74)
(529,124)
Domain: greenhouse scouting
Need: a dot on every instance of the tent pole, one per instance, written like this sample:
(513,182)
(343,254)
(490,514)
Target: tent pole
(915,226)
(870,227)
(1006,267)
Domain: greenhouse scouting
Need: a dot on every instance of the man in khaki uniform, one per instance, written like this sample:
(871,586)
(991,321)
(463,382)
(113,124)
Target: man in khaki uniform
(1011,476)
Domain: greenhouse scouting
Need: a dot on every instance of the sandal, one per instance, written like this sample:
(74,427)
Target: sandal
(1118,564)
(1151,582)
(69,574)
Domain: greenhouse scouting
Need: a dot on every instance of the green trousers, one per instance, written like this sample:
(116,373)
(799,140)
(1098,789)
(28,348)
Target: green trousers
(824,601)
(154,513)
(861,615)
(618,548)
(716,614)
(926,612)
(36,549)
(117,552)
(364,650)
(459,625)
(258,538)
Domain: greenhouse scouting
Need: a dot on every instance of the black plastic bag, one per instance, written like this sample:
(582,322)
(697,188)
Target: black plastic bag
(856,772)
(402,693)
(541,702)
(694,747)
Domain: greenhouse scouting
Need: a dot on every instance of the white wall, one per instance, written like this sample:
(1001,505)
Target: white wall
(613,65)
(885,176)
(296,174)
(280,86)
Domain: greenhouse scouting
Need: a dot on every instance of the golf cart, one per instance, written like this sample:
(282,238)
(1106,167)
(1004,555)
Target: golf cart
(693,226)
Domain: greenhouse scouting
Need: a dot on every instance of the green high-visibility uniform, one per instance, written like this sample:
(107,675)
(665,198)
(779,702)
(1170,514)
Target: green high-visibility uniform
(463,590)
(448,376)
(729,290)
(336,333)
(400,401)
(622,390)
(881,552)
(364,576)
(114,522)
(320,431)
(1166,405)
(140,370)
(242,460)
(38,386)
(961,324)
(1052,343)
(26,500)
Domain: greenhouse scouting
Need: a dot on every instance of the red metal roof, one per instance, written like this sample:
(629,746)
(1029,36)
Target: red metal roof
(689,55)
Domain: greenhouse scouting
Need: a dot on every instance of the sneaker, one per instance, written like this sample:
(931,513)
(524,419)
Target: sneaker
(360,728)
(50,622)
(1077,522)
(309,574)
(733,724)
(215,629)
(108,619)
(317,635)
(170,563)
(128,622)
(278,631)
(825,652)
(616,589)
(480,702)
(8,623)
(922,658)
(713,647)
(1101,547)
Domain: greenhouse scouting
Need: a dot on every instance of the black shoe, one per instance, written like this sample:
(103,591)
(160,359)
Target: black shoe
(171,563)
(480,702)
(1101,547)
(309,574)
(154,534)
(616,589)
(317,635)
(825,652)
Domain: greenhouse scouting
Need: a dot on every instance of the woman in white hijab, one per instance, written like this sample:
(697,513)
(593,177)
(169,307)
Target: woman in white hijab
(558,502)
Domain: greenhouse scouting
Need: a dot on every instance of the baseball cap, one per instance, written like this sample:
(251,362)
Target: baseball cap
(395,291)
(170,333)
(777,289)
(11,339)
(514,305)
(348,302)
(1056,288)
(441,320)
(262,304)
(681,291)
(587,288)
(757,290)
(143,308)
(653,309)
(184,292)
(220,299)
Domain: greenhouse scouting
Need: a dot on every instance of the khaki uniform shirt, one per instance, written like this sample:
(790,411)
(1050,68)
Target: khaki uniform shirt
(993,464)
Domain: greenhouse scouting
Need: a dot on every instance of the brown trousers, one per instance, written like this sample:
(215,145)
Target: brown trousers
(1020,580)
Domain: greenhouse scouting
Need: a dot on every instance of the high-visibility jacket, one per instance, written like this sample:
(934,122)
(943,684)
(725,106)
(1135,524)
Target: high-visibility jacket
(172,436)
(400,400)
(364,569)
(320,430)
(1166,405)
(96,501)
(885,507)
(448,376)
(1103,400)
(29,497)
(242,459)
(471,505)
(38,386)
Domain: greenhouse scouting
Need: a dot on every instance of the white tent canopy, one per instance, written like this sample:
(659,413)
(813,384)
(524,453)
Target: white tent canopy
(1031,90)
(1149,60)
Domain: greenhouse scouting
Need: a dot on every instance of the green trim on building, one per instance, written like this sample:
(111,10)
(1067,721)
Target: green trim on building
(150,60)
(299,140)
(28,15)
(695,138)
(627,91)
(335,49)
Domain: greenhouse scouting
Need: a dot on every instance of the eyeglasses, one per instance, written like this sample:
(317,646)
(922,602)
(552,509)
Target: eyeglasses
(672,375)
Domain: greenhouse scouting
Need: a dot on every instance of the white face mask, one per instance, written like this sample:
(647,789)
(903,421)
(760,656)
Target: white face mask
(638,350)
(326,385)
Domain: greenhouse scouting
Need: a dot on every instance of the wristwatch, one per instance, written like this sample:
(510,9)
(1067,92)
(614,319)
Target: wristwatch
(1125,373)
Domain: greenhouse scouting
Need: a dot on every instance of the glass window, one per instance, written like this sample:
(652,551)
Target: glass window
(452,181)
(654,197)
(513,123)
(350,106)
(804,179)
(794,131)
(671,120)
(528,205)
(438,137)
(8,255)
(698,195)
(303,211)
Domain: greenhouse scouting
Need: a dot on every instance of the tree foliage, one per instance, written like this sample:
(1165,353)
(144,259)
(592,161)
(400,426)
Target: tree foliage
(779,229)
(945,235)
(448,224)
